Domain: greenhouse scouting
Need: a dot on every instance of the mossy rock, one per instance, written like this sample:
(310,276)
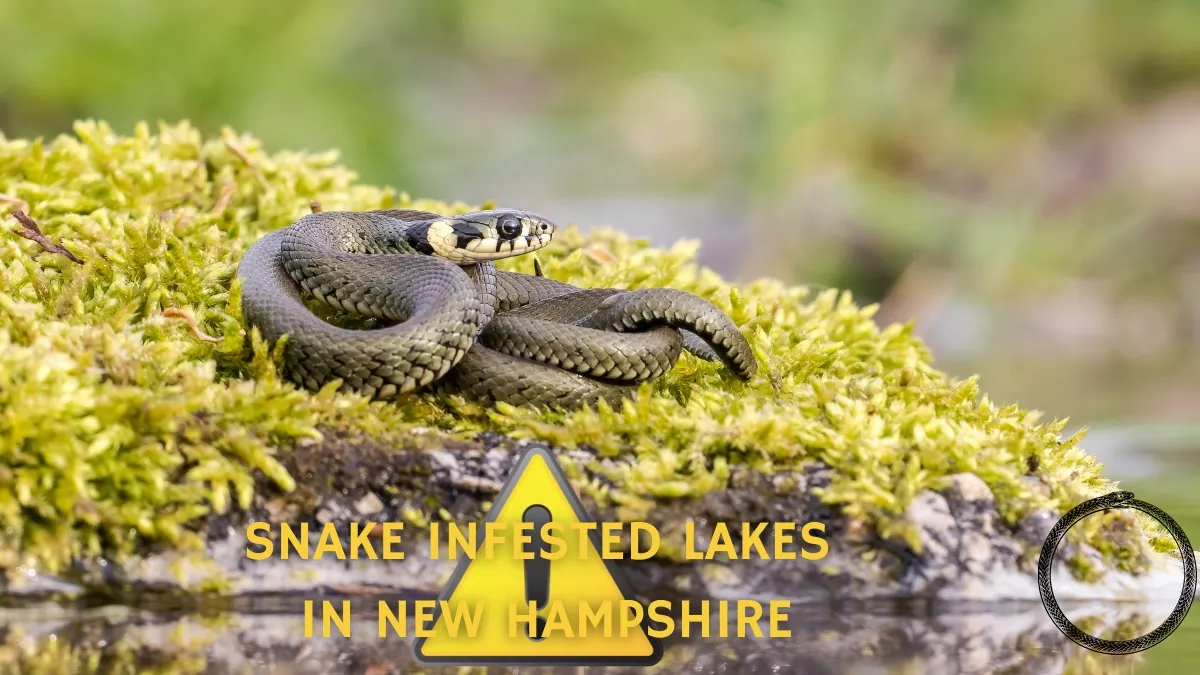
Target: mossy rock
(127,431)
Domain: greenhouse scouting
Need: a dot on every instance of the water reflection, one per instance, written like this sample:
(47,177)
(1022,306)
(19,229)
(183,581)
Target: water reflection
(267,637)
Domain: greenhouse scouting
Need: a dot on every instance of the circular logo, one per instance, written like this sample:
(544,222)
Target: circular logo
(1116,500)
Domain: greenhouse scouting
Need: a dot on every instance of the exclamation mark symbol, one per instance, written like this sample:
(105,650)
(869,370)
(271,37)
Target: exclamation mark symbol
(537,568)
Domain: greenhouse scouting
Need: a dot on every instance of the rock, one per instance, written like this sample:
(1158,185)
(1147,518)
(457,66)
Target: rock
(369,505)
(938,531)
(333,511)
(1034,527)
(443,460)
(977,555)
(967,488)
(965,552)
(1091,560)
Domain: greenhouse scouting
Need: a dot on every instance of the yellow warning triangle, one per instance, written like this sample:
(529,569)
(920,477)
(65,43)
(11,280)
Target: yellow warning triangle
(500,586)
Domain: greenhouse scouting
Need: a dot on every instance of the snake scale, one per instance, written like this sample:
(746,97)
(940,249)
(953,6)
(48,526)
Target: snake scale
(453,322)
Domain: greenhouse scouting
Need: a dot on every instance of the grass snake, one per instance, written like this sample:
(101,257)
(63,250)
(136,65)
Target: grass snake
(448,318)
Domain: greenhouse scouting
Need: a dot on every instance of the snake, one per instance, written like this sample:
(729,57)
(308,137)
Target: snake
(1116,500)
(446,319)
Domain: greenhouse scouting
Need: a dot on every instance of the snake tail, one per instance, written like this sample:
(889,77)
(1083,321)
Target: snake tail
(549,332)
(640,309)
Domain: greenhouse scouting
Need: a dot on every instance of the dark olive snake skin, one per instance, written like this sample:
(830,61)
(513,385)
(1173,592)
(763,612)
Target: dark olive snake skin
(463,326)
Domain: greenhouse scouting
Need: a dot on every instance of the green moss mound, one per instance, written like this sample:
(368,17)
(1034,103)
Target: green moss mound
(121,425)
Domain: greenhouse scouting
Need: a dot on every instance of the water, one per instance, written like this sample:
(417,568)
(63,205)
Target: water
(268,637)
(1172,487)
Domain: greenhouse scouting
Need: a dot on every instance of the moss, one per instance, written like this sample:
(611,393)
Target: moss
(122,426)
(1082,569)
(104,645)
(1119,540)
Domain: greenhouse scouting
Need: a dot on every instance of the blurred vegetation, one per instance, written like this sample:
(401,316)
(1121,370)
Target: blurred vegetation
(894,129)
(1038,158)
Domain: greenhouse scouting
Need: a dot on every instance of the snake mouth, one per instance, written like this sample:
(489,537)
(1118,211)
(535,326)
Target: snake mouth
(488,235)
(491,248)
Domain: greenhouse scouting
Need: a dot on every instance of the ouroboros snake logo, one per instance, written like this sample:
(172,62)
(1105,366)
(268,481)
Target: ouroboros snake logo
(1116,500)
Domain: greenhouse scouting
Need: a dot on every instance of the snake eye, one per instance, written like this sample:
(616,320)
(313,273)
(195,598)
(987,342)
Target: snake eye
(508,226)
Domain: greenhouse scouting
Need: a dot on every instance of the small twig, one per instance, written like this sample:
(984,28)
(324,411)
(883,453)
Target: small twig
(21,204)
(353,589)
(599,255)
(537,267)
(315,206)
(29,229)
(168,216)
(223,198)
(479,485)
(238,150)
(176,313)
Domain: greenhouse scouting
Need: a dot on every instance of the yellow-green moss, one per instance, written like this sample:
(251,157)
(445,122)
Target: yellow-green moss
(1081,568)
(120,424)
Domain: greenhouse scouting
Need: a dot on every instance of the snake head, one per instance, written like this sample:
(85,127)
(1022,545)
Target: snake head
(488,235)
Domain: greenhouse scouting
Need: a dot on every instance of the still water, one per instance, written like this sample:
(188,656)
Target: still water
(267,637)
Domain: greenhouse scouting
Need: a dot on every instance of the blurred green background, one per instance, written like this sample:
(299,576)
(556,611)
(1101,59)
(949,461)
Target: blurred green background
(1021,177)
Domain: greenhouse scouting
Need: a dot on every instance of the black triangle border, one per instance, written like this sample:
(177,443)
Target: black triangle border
(618,578)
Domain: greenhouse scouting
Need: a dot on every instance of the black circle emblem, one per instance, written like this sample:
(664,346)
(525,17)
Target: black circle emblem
(1116,500)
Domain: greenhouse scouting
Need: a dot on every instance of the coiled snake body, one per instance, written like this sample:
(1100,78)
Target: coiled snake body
(458,323)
